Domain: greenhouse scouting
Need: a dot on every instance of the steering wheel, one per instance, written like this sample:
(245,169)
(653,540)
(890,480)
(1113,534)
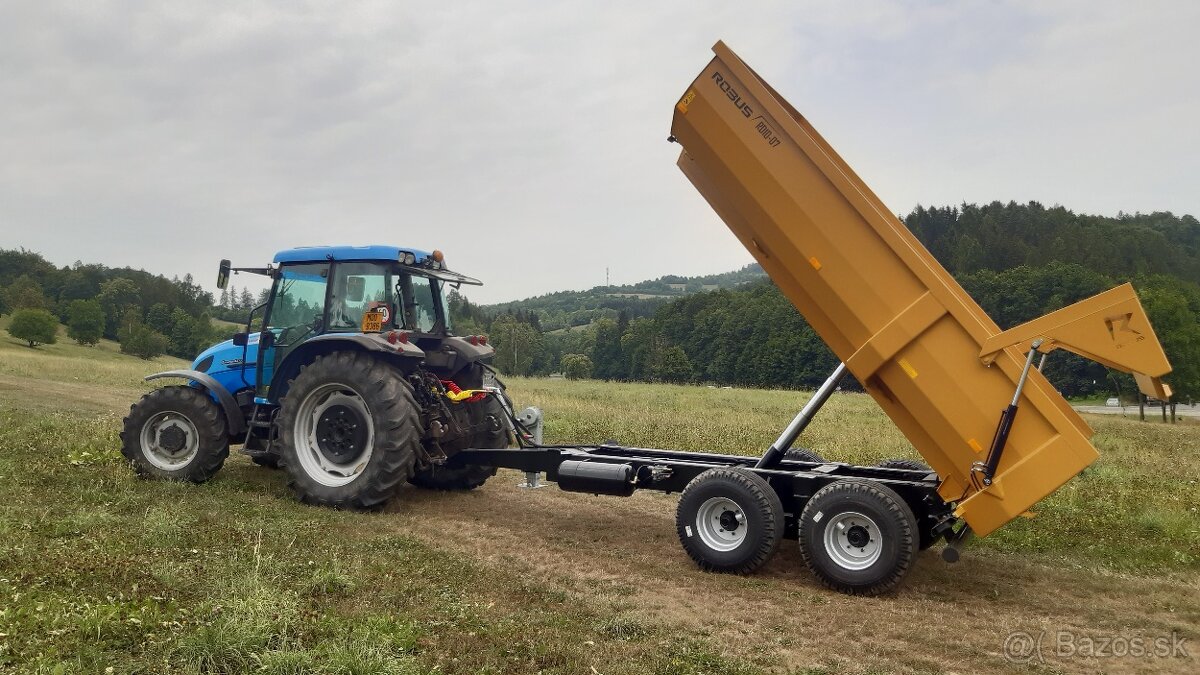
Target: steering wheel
(286,333)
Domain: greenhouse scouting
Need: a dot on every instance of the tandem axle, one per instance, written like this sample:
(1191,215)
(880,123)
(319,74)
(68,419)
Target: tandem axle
(859,526)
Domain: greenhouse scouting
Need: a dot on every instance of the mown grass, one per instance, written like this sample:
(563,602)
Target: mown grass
(99,569)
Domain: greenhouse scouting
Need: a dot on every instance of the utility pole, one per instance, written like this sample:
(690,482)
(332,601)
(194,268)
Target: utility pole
(606,281)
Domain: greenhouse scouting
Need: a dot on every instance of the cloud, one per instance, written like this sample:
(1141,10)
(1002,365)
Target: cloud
(527,140)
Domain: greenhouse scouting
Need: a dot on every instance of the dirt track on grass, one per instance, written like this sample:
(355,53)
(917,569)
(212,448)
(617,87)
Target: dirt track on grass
(947,618)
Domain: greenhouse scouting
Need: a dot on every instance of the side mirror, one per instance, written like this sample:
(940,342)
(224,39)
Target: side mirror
(266,339)
(240,339)
(223,275)
(354,288)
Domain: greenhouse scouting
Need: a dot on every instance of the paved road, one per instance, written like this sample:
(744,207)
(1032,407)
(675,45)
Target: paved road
(1132,410)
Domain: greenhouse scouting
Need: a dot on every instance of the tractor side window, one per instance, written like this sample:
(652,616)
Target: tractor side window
(419,312)
(356,287)
(299,301)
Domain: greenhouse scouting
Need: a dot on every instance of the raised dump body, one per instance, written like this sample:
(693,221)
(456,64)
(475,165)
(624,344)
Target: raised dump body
(924,350)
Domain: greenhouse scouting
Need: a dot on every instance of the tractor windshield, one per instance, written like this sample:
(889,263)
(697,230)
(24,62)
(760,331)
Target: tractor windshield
(410,302)
(299,300)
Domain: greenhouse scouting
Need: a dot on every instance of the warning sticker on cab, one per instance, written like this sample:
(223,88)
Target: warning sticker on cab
(684,102)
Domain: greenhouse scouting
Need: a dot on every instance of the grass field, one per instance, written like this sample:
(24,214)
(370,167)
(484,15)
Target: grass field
(100,570)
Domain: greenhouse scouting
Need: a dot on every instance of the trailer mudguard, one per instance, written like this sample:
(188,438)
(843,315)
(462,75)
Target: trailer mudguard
(903,326)
(233,413)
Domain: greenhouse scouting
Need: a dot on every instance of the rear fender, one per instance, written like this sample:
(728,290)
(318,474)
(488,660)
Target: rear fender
(403,353)
(233,412)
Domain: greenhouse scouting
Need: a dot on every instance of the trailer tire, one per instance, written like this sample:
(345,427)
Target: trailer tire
(175,433)
(858,537)
(348,468)
(803,456)
(900,463)
(715,506)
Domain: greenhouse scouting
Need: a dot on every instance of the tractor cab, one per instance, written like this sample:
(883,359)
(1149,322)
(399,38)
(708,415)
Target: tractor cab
(376,297)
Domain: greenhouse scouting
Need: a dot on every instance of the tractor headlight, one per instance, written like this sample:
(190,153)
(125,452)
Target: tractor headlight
(407,258)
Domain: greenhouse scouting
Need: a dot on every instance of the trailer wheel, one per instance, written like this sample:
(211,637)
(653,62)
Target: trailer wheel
(729,520)
(348,431)
(803,456)
(899,463)
(858,537)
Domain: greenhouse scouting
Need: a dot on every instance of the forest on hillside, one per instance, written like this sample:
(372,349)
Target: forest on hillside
(1018,261)
(148,313)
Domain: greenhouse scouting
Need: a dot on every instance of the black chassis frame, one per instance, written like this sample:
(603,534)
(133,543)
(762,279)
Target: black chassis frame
(617,470)
(671,471)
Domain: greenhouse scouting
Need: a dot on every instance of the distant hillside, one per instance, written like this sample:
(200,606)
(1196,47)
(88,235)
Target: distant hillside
(578,308)
(1018,261)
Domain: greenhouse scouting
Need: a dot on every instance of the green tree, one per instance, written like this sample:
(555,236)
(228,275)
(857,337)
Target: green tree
(576,366)
(85,321)
(121,302)
(1174,310)
(24,293)
(159,318)
(140,340)
(188,335)
(672,365)
(517,345)
(35,326)
(606,352)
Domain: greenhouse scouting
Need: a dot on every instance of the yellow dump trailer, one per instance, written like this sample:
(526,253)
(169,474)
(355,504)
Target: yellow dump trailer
(940,368)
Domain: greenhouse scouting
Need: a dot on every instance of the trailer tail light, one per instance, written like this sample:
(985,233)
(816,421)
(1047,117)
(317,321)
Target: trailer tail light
(397,336)
(483,339)
(473,339)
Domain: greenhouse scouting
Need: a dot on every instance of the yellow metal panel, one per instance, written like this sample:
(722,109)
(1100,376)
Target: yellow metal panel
(883,304)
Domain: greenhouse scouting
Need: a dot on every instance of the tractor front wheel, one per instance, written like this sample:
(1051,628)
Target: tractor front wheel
(175,433)
(349,431)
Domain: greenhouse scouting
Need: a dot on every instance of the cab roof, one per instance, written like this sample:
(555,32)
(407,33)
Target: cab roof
(322,253)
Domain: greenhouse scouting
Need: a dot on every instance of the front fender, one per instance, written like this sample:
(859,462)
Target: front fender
(233,413)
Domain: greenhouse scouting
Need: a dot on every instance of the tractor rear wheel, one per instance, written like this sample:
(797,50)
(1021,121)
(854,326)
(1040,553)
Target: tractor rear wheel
(349,431)
(175,433)
(858,537)
(729,520)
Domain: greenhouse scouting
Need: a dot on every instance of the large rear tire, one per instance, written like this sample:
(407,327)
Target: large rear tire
(729,520)
(175,433)
(858,537)
(349,431)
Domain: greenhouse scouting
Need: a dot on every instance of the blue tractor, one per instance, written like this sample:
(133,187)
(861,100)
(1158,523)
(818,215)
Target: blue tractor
(352,381)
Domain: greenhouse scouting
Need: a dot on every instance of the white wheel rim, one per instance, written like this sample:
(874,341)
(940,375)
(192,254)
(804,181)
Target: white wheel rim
(853,541)
(315,464)
(160,434)
(721,523)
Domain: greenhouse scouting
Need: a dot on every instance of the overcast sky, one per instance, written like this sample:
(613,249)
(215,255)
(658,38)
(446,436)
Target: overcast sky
(527,139)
